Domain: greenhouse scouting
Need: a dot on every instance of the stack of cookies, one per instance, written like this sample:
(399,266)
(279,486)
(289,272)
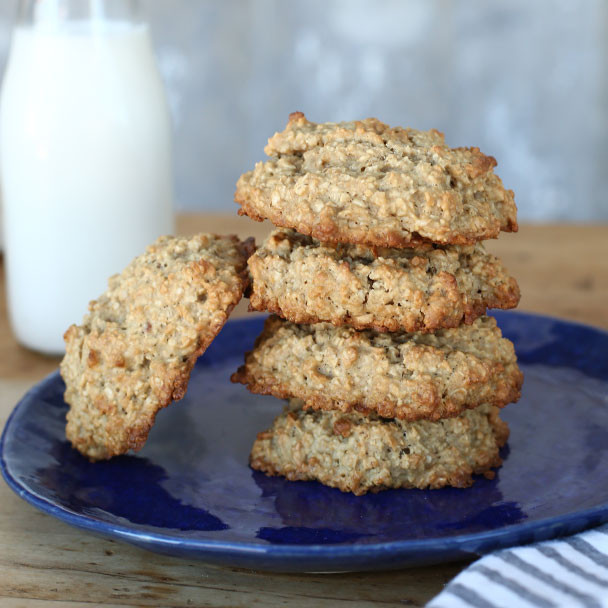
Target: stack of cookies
(379,287)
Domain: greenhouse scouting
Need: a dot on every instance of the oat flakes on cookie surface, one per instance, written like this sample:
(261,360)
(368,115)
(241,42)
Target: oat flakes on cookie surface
(359,454)
(410,376)
(136,347)
(367,183)
(415,289)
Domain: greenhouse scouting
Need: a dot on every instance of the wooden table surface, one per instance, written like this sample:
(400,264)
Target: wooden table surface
(562,271)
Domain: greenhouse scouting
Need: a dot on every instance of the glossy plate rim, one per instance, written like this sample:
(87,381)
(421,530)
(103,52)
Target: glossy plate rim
(405,552)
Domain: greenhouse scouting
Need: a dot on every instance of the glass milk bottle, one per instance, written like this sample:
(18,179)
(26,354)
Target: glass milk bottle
(85,159)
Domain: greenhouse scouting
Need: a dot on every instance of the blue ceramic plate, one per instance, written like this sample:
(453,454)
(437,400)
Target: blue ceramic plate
(190,493)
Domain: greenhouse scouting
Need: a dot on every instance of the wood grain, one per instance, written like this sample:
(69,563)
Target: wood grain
(45,559)
(562,271)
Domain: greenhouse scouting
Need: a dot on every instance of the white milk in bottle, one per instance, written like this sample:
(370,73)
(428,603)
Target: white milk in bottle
(85,166)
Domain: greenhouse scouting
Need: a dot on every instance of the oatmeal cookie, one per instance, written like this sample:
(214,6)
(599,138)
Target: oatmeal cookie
(410,376)
(422,289)
(136,347)
(367,183)
(359,454)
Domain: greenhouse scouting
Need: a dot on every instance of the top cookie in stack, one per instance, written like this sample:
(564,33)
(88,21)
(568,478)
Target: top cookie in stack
(364,182)
(379,231)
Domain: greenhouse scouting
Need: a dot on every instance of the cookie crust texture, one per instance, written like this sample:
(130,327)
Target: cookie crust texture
(136,347)
(366,183)
(359,454)
(409,376)
(422,289)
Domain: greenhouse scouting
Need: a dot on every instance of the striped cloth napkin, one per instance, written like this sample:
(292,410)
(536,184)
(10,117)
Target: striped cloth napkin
(567,572)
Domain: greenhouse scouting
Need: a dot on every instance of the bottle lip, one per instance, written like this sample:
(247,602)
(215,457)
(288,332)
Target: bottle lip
(56,13)
(83,28)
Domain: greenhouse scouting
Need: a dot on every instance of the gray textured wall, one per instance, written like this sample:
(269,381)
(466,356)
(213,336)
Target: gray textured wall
(524,81)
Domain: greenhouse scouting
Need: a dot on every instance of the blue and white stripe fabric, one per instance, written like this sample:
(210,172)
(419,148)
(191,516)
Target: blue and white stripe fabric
(569,572)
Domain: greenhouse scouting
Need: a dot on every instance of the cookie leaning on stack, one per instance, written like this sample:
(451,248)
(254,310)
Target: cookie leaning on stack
(134,351)
(396,371)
